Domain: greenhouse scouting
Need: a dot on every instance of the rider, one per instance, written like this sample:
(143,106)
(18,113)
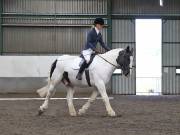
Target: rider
(94,36)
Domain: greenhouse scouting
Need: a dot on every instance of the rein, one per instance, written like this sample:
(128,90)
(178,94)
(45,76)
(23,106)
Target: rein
(107,61)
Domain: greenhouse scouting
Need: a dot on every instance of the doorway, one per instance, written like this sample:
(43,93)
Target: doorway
(148,56)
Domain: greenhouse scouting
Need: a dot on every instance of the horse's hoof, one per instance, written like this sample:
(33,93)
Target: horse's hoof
(81,112)
(73,113)
(112,114)
(40,112)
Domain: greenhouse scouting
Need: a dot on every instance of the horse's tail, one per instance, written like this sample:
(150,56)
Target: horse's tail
(43,91)
(53,66)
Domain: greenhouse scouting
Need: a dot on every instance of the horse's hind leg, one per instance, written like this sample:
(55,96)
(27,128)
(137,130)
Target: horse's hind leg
(44,106)
(51,90)
(88,103)
(70,93)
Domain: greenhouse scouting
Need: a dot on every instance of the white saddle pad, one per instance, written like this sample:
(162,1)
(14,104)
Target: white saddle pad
(76,63)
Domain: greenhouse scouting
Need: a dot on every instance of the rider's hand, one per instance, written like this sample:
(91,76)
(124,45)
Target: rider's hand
(97,52)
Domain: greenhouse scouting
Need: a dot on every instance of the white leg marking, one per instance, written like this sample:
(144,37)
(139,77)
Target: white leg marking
(53,82)
(44,106)
(102,90)
(70,93)
(88,103)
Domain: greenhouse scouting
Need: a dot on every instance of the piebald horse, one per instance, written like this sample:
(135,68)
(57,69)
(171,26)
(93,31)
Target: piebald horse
(100,72)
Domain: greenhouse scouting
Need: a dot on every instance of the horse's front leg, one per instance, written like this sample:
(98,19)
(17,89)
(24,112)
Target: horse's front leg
(102,90)
(70,93)
(88,103)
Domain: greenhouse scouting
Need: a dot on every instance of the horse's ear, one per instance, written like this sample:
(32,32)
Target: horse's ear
(127,49)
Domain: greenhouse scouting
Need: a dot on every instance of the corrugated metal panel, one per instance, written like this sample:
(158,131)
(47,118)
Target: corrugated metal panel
(29,6)
(171,30)
(121,84)
(52,39)
(72,39)
(178,84)
(170,81)
(60,36)
(124,85)
(56,6)
(46,39)
(123,45)
(171,54)
(123,35)
(123,30)
(145,7)
(28,40)
(28,20)
(47,21)
(81,6)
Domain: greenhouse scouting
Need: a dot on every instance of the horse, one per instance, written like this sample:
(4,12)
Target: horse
(100,72)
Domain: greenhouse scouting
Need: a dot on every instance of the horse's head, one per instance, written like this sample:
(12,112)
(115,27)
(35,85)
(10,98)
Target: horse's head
(125,60)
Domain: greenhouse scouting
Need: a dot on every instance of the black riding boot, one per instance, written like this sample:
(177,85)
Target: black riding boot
(82,68)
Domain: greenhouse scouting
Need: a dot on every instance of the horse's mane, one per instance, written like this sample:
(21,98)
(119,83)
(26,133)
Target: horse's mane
(112,52)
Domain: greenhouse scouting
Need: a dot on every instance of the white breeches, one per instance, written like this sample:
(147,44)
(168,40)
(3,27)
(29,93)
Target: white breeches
(87,54)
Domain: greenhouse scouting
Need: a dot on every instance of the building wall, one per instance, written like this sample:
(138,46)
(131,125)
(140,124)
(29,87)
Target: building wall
(45,40)
(171,56)
(56,6)
(123,35)
(49,27)
(34,28)
(170,45)
(26,74)
(145,7)
(46,27)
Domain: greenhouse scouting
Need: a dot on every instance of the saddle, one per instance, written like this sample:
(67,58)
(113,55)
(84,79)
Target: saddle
(91,59)
(76,64)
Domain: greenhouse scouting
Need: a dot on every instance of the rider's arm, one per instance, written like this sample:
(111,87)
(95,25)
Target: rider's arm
(107,48)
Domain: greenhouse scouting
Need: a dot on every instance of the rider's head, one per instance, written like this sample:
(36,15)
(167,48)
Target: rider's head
(99,23)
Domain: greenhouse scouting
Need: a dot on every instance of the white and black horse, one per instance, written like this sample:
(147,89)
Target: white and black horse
(100,72)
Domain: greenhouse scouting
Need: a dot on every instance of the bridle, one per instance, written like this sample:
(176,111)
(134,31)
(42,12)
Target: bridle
(111,63)
(108,61)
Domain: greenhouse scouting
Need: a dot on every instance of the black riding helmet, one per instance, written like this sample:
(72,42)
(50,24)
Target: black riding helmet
(99,21)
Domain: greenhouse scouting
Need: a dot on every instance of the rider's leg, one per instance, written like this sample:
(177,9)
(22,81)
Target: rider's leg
(82,68)
(87,55)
